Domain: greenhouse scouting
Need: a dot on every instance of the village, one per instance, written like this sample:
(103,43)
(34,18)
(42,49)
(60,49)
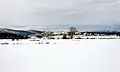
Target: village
(72,35)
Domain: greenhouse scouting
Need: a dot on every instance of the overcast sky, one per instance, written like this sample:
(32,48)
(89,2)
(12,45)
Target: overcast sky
(39,12)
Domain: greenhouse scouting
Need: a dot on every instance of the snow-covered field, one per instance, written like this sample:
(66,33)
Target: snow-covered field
(97,55)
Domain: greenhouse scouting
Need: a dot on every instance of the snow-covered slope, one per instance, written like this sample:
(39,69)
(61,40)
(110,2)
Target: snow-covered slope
(87,56)
(45,40)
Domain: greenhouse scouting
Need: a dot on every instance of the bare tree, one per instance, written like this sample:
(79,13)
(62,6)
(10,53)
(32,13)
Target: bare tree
(45,34)
(64,36)
(72,31)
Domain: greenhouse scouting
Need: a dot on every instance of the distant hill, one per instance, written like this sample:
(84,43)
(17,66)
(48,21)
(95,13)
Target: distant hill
(80,27)
(36,31)
(6,33)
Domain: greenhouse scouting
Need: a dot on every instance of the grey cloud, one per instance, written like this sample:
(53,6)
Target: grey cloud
(33,12)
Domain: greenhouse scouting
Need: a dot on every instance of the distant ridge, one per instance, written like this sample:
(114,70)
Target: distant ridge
(6,33)
(115,27)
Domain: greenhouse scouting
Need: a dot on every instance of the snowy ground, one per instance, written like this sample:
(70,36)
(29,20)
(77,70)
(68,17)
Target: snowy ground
(66,56)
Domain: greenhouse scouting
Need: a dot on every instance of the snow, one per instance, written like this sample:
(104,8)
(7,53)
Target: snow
(85,55)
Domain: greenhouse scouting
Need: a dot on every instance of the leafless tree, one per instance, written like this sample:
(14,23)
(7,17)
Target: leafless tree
(72,31)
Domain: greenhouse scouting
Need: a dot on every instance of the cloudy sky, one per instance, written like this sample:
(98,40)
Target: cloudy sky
(39,12)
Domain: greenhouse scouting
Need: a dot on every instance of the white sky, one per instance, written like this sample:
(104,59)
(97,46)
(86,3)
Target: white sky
(22,12)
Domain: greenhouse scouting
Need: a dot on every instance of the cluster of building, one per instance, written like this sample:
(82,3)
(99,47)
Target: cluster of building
(79,35)
(71,33)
